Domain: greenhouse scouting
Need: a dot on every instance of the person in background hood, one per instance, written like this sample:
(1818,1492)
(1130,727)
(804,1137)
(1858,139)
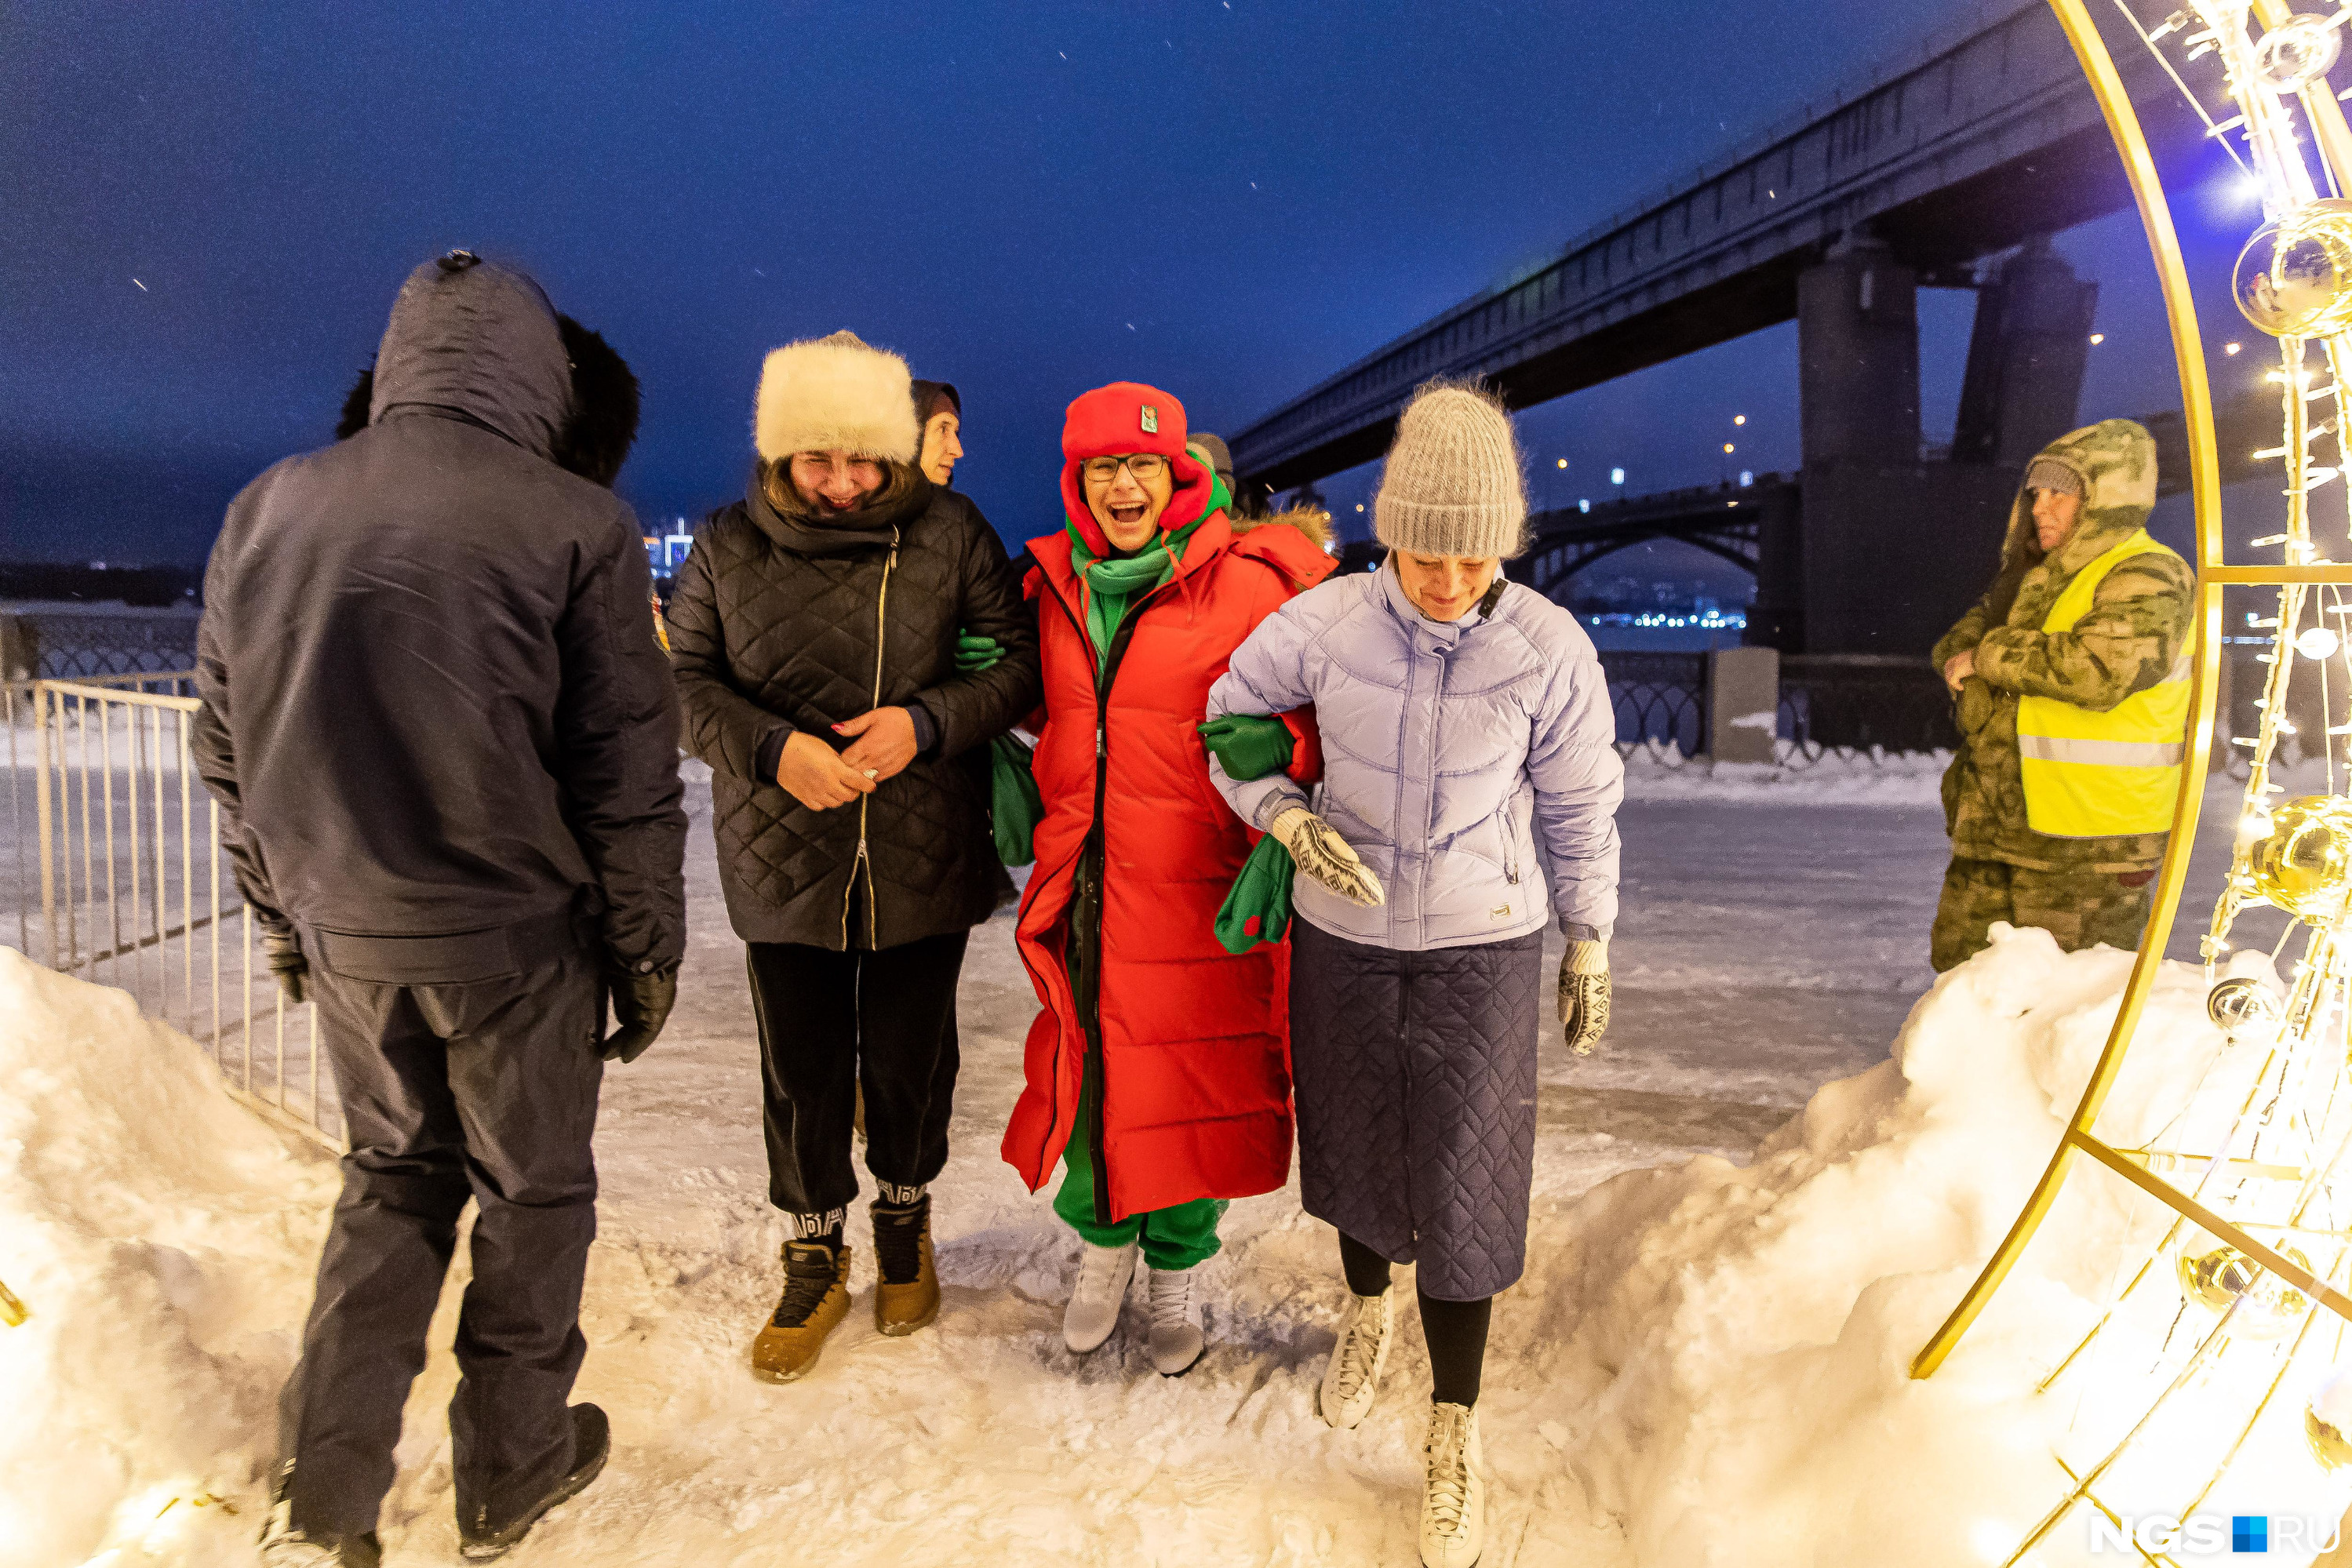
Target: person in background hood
(1211,451)
(938,412)
(445,745)
(1158,1066)
(2071,685)
(814,631)
(1471,755)
(938,409)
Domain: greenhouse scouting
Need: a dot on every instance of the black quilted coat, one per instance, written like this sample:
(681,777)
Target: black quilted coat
(781,619)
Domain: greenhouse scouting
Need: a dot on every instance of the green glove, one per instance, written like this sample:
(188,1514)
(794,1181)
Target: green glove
(1251,745)
(1258,908)
(974,654)
(1016,808)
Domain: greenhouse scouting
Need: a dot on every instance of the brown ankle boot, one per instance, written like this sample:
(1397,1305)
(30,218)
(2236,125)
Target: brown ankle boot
(816,1297)
(908,1294)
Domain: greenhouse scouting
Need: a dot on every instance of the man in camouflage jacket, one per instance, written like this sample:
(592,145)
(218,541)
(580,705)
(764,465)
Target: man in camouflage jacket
(2086,492)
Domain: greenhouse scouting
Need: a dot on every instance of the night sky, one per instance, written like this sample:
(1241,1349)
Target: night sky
(212,205)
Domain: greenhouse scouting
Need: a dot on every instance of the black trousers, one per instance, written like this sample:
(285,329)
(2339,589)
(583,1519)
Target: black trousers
(830,1022)
(484,1090)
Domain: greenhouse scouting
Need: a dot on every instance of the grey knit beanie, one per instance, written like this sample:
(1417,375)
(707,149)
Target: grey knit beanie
(1451,485)
(2049,474)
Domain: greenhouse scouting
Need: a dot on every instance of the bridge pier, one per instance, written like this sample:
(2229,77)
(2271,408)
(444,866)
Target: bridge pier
(1895,546)
(2026,358)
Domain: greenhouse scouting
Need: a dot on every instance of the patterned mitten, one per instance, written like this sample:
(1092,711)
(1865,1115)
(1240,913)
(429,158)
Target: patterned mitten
(1584,995)
(1325,856)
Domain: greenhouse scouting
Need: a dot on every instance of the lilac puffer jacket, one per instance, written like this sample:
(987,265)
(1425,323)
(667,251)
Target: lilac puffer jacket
(1456,760)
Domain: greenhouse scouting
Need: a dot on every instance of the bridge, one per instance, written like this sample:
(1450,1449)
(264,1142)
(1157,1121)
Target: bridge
(1987,143)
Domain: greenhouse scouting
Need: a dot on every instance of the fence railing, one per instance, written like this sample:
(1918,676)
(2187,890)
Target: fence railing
(1659,698)
(120,878)
(1862,707)
(1865,702)
(60,645)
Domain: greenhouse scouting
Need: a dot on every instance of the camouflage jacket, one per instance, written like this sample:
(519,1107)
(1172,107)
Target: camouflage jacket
(2129,639)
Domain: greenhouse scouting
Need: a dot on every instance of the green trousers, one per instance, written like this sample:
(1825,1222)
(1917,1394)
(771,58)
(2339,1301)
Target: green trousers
(1172,1239)
(2081,908)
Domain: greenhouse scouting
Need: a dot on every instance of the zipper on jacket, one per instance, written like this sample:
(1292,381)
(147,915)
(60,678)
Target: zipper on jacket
(862,862)
(1097,849)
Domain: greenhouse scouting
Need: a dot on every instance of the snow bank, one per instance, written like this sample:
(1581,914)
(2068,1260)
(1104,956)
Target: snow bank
(1705,1367)
(1655,771)
(162,1237)
(1723,1351)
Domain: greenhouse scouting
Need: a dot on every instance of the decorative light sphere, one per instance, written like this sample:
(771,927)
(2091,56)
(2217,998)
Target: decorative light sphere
(2326,1416)
(2293,280)
(2240,1001)
(2304,864)
(2317,642)
(2221,1275)
(2297,52)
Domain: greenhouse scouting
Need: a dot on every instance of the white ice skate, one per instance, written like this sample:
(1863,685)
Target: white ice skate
(1101,1289)
(1453,1497)
(1177,1341)
(1351,1378)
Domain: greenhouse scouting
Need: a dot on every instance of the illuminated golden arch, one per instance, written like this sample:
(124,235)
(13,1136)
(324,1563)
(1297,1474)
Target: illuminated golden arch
(2335,147)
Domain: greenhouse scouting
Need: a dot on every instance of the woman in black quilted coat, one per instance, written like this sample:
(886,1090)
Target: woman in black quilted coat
(814,633)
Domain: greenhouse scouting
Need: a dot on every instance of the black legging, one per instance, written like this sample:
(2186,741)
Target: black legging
(1457,1331)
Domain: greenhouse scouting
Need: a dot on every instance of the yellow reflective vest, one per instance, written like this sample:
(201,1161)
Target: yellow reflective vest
(2091,775)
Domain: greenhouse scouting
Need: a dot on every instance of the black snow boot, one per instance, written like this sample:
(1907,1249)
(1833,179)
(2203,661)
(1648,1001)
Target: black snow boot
(480,1539)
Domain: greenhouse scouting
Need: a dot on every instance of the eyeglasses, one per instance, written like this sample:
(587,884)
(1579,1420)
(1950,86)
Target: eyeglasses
(1145,465)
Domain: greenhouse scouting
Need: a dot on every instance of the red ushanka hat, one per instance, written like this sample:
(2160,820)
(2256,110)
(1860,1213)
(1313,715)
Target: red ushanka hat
(1122,418)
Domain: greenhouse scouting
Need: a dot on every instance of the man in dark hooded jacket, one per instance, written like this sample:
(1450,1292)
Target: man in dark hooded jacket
(444,739)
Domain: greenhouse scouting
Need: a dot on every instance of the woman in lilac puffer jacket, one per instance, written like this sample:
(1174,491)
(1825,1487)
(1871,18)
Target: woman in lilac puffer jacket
(1468,755)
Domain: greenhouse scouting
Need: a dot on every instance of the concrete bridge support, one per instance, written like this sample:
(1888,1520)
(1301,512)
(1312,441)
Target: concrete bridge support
(1894,546)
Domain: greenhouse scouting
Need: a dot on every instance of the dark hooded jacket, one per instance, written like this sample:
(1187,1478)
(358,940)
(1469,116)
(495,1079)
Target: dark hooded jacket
(433,700)
(783,621)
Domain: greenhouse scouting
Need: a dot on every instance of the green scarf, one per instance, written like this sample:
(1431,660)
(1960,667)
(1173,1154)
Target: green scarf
(1114,583)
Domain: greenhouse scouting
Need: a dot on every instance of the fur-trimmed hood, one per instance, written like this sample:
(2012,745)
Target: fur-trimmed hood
(835,394)
(1312,522)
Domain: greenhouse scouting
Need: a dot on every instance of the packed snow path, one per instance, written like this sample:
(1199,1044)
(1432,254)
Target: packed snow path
(1703,1365)
(1764,950)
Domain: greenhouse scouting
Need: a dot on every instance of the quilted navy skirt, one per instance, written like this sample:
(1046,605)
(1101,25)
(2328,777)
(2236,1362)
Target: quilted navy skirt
(1416,1082)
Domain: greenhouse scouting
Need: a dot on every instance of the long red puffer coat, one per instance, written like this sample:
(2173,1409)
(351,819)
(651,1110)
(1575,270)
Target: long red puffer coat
(1195,1069)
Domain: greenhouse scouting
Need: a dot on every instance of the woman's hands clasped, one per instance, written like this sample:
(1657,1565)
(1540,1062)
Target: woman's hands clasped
(818,776)
(1325,856)
(882,743)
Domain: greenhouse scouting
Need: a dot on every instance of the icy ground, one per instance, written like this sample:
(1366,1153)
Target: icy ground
(1703,1365)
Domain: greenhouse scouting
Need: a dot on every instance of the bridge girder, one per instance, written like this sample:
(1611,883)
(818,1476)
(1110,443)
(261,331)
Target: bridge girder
(1976,148)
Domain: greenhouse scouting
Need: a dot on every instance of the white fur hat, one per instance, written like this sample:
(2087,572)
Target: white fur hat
(835,394)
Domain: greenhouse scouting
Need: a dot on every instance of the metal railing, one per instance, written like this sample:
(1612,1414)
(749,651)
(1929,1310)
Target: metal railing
(1660,699)
(61,645)
(1859,708)
(120,878)
(1863,704)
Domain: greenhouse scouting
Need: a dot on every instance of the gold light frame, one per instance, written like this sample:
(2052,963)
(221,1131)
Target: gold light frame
(2213,577)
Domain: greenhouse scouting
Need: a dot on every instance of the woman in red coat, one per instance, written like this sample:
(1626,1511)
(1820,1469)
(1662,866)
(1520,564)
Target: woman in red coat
(1158,1069)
